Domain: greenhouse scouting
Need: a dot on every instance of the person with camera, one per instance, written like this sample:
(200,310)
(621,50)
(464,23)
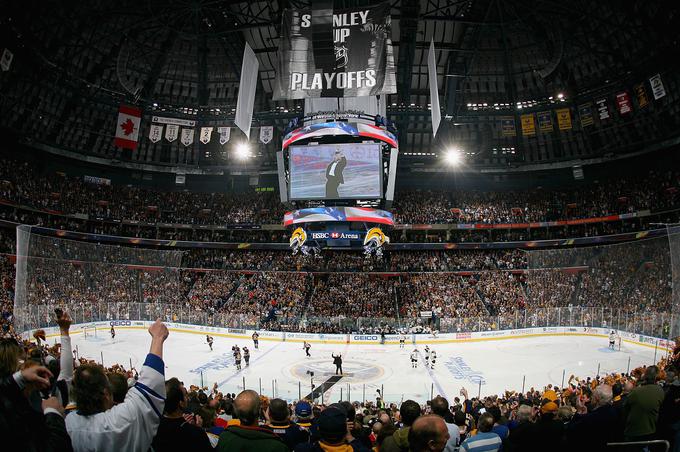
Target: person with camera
(30,414)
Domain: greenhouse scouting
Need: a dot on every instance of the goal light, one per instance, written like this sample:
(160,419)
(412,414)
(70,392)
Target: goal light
(242,151)
(453,157)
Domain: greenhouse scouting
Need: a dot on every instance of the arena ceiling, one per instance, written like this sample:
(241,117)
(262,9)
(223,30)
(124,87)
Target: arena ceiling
(76,61)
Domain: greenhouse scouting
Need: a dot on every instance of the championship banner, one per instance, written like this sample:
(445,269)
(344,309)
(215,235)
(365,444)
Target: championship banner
(127,127)
(623,103)
(206,133)
(187,137)
(266,134)
(155,133)
(355,60)
(641,95)
(585,112)
(528,125)
(508,126)
(173,121)
(544,121)
(602,109)
(657,87)
(563,118)
(225,133)
(171,132)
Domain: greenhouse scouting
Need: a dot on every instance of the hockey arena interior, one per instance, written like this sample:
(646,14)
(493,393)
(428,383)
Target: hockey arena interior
(340,225)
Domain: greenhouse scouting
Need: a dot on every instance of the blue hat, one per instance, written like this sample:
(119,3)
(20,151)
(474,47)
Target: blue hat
(303,409)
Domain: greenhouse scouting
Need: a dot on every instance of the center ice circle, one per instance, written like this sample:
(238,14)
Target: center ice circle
(354,371)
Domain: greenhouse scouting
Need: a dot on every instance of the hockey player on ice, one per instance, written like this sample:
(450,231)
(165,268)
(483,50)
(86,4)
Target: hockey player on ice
(414,358)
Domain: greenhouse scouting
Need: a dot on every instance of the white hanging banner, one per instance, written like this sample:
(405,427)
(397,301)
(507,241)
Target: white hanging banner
(434,89)
(206,133)
(657,87)
(246,92)
(171,132)
(225,133)
(187,137)
(155,133)
(266,134)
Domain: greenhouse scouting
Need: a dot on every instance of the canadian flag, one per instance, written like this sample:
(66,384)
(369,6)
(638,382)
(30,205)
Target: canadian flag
(127,127)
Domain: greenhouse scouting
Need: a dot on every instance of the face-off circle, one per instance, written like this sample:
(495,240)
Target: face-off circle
(354,371)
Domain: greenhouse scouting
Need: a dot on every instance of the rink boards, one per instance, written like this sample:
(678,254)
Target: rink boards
(374,339)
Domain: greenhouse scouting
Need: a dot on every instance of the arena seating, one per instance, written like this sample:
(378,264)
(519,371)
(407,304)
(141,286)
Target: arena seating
(59,194)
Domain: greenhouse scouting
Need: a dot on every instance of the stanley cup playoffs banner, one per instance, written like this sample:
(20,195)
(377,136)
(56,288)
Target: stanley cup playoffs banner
(335,53)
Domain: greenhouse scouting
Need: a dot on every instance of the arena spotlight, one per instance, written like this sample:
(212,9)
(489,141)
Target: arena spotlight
(242,151)
(453,157)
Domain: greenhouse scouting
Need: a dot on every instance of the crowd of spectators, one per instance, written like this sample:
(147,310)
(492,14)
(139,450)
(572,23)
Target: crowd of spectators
(444,294)
(59,193)
(105,409)
(657,190)
(351,296)
(471,288)
(73,195)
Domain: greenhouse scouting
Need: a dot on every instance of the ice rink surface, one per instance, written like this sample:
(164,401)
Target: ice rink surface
(281,368)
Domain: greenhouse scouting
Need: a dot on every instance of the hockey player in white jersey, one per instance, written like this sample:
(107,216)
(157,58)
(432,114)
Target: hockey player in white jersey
(414,359)
(612,340)
(433,359)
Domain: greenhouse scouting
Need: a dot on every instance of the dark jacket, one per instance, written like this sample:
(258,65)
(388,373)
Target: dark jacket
(522,438)
(669,414)
(337,360)
(290,433)
(398,442)
(642,410)
(592,431)
(178,435)
(548,430)
(237,438)
(22,425)
(339,168)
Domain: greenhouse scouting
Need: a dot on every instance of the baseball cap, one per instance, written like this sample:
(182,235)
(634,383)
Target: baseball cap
(303,410)
(332,424)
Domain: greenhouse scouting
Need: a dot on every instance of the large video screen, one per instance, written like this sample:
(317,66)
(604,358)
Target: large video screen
(335,171)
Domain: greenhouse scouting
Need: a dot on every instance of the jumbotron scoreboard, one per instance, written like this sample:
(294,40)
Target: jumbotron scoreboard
(338,173)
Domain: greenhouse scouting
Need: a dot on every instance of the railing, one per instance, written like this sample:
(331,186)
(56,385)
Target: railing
(655,324)
(664,445)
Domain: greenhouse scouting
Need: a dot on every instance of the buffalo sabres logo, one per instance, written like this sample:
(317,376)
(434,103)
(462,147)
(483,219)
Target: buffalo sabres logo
(298,239)
(340,57)
(374,241)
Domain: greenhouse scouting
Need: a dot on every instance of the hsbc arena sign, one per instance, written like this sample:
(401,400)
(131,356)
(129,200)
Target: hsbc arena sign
(335,235)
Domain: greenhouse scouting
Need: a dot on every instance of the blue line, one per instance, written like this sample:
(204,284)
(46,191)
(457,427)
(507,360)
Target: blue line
(432,377)
(253,361)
